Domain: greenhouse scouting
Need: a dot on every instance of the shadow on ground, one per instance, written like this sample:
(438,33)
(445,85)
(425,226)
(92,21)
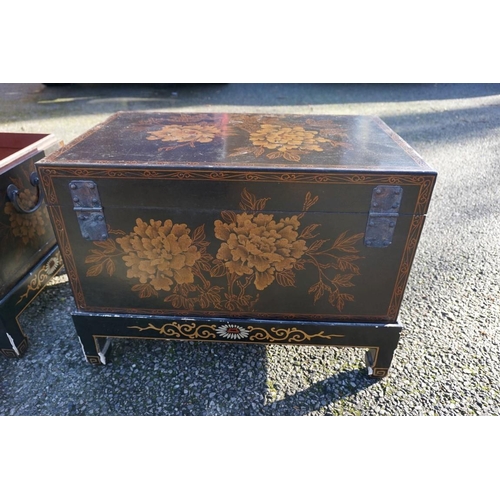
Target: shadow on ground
(164,377)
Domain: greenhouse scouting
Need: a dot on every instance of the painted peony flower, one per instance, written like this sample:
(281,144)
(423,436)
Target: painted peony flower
(26,226)
(260,246)
(185,133)
(160,253)
(286,138)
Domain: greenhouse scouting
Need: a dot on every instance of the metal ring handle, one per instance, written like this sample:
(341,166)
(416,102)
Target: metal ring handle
(13,193)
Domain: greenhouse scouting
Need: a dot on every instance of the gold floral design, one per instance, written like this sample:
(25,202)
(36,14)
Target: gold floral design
(194,331)
(329,259)
(258,245)
(284,140)
(287,140)
(52,265)
(163,256)
(272,138)
(256,250)
(233,332)
(187,134)
(26,226)
(42,276)
(160,254)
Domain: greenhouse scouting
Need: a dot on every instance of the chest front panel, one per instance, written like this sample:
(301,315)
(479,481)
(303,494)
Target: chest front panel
(237,243)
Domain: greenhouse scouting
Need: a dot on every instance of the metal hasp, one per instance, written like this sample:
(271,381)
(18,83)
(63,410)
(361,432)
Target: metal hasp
(87,205)
(383,215)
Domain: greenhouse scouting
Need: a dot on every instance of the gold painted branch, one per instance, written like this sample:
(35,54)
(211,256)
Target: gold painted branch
(286,334)
(177,330)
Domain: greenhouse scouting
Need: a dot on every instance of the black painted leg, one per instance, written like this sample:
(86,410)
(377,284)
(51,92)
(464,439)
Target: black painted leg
(379,359)
(13,343)
(95,348)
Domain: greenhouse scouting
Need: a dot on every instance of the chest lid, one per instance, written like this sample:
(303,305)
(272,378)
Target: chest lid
(144,160)
(288,142)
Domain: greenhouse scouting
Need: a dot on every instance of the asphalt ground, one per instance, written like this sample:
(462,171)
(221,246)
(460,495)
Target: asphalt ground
(447,362)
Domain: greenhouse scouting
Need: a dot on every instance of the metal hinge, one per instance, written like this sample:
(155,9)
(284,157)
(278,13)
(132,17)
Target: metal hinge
(87,205)
(383,215)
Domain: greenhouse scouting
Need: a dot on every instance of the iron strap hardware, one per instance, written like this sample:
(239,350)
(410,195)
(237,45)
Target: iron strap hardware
(382,218)
(88,209)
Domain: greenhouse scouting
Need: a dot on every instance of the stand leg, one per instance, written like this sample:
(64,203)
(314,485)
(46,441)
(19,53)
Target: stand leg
(96,349)
(13,343)
(378,361)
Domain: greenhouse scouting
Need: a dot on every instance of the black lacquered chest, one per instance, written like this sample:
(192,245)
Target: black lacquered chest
(246,228)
